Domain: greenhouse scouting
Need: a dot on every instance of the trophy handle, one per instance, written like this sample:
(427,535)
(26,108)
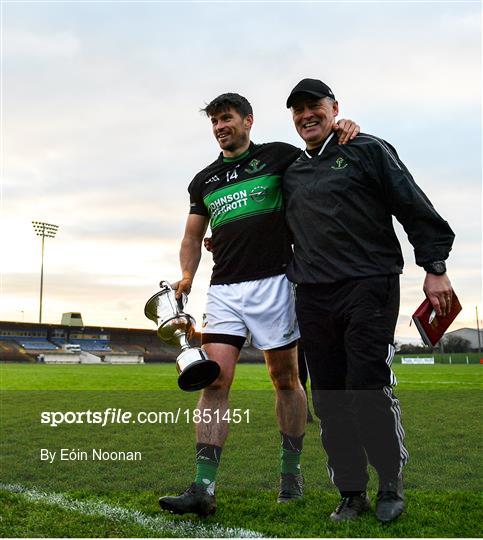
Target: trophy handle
(165,285)
(181,302)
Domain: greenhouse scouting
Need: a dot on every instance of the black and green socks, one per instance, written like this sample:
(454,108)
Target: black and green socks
(207,462)
(290,451)
(208,459)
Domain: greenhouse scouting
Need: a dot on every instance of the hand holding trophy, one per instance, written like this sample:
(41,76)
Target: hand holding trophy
(195,369)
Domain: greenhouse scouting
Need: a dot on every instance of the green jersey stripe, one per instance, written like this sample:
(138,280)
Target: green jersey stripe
(244,199)
(243,216)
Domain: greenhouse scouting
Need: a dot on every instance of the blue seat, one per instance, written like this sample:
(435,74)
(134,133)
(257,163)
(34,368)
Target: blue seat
(92,344)
(37,344)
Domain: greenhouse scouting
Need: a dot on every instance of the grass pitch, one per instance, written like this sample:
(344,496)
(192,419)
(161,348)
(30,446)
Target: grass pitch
(440,406)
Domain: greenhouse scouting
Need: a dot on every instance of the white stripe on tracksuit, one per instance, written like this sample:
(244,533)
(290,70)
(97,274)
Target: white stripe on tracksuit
(396,411)
(389,358)
(330,470)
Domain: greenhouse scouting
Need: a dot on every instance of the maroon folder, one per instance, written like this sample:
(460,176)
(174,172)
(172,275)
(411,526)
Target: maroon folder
(431,326)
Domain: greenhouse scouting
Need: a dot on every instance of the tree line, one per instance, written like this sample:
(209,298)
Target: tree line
(450,344)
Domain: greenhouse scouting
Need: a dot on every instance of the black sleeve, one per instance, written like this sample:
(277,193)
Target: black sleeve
(197,206)
(429,234)
(288,154)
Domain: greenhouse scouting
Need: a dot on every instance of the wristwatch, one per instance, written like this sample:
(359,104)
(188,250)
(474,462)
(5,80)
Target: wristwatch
(438,268)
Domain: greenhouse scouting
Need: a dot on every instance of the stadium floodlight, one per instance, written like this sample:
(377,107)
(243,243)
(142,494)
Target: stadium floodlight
(44,230)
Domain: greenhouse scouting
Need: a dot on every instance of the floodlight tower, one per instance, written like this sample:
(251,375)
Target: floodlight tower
(44,230)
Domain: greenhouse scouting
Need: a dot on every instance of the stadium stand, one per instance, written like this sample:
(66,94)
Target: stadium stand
(24,342)
(92,344)
(11,351)
(37,344)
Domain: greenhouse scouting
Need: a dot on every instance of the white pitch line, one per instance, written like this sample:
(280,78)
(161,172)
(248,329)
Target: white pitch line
(158,524)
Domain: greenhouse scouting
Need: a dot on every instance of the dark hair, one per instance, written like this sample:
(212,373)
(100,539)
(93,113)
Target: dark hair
(227,101)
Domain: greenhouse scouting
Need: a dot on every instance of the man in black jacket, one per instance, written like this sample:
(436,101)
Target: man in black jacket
(339,206)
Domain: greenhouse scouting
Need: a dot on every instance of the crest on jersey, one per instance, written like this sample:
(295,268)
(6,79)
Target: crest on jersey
(258,193)
(254,166)
(340,163)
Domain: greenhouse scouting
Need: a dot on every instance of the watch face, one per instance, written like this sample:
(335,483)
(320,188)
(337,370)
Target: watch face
(439,267)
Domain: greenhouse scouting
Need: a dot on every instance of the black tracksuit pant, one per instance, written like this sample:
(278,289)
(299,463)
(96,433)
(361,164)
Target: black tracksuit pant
(348,334)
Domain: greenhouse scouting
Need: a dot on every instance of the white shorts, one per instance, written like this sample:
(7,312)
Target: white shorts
(265,308)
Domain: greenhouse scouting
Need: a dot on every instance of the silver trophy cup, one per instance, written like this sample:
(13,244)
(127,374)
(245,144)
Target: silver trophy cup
(195,369)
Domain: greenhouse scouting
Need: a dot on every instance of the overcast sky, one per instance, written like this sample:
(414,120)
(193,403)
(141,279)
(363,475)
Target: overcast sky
(101,131)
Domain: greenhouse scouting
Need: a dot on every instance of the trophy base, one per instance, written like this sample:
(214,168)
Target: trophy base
(196,370)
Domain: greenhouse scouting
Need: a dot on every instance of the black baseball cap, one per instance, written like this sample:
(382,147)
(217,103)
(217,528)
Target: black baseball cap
(313,87)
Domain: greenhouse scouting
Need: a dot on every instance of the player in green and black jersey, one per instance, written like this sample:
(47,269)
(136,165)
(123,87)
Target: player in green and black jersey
(239,196)
(242,197)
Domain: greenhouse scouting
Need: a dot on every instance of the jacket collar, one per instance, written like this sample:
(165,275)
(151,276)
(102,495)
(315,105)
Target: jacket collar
(327,141)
